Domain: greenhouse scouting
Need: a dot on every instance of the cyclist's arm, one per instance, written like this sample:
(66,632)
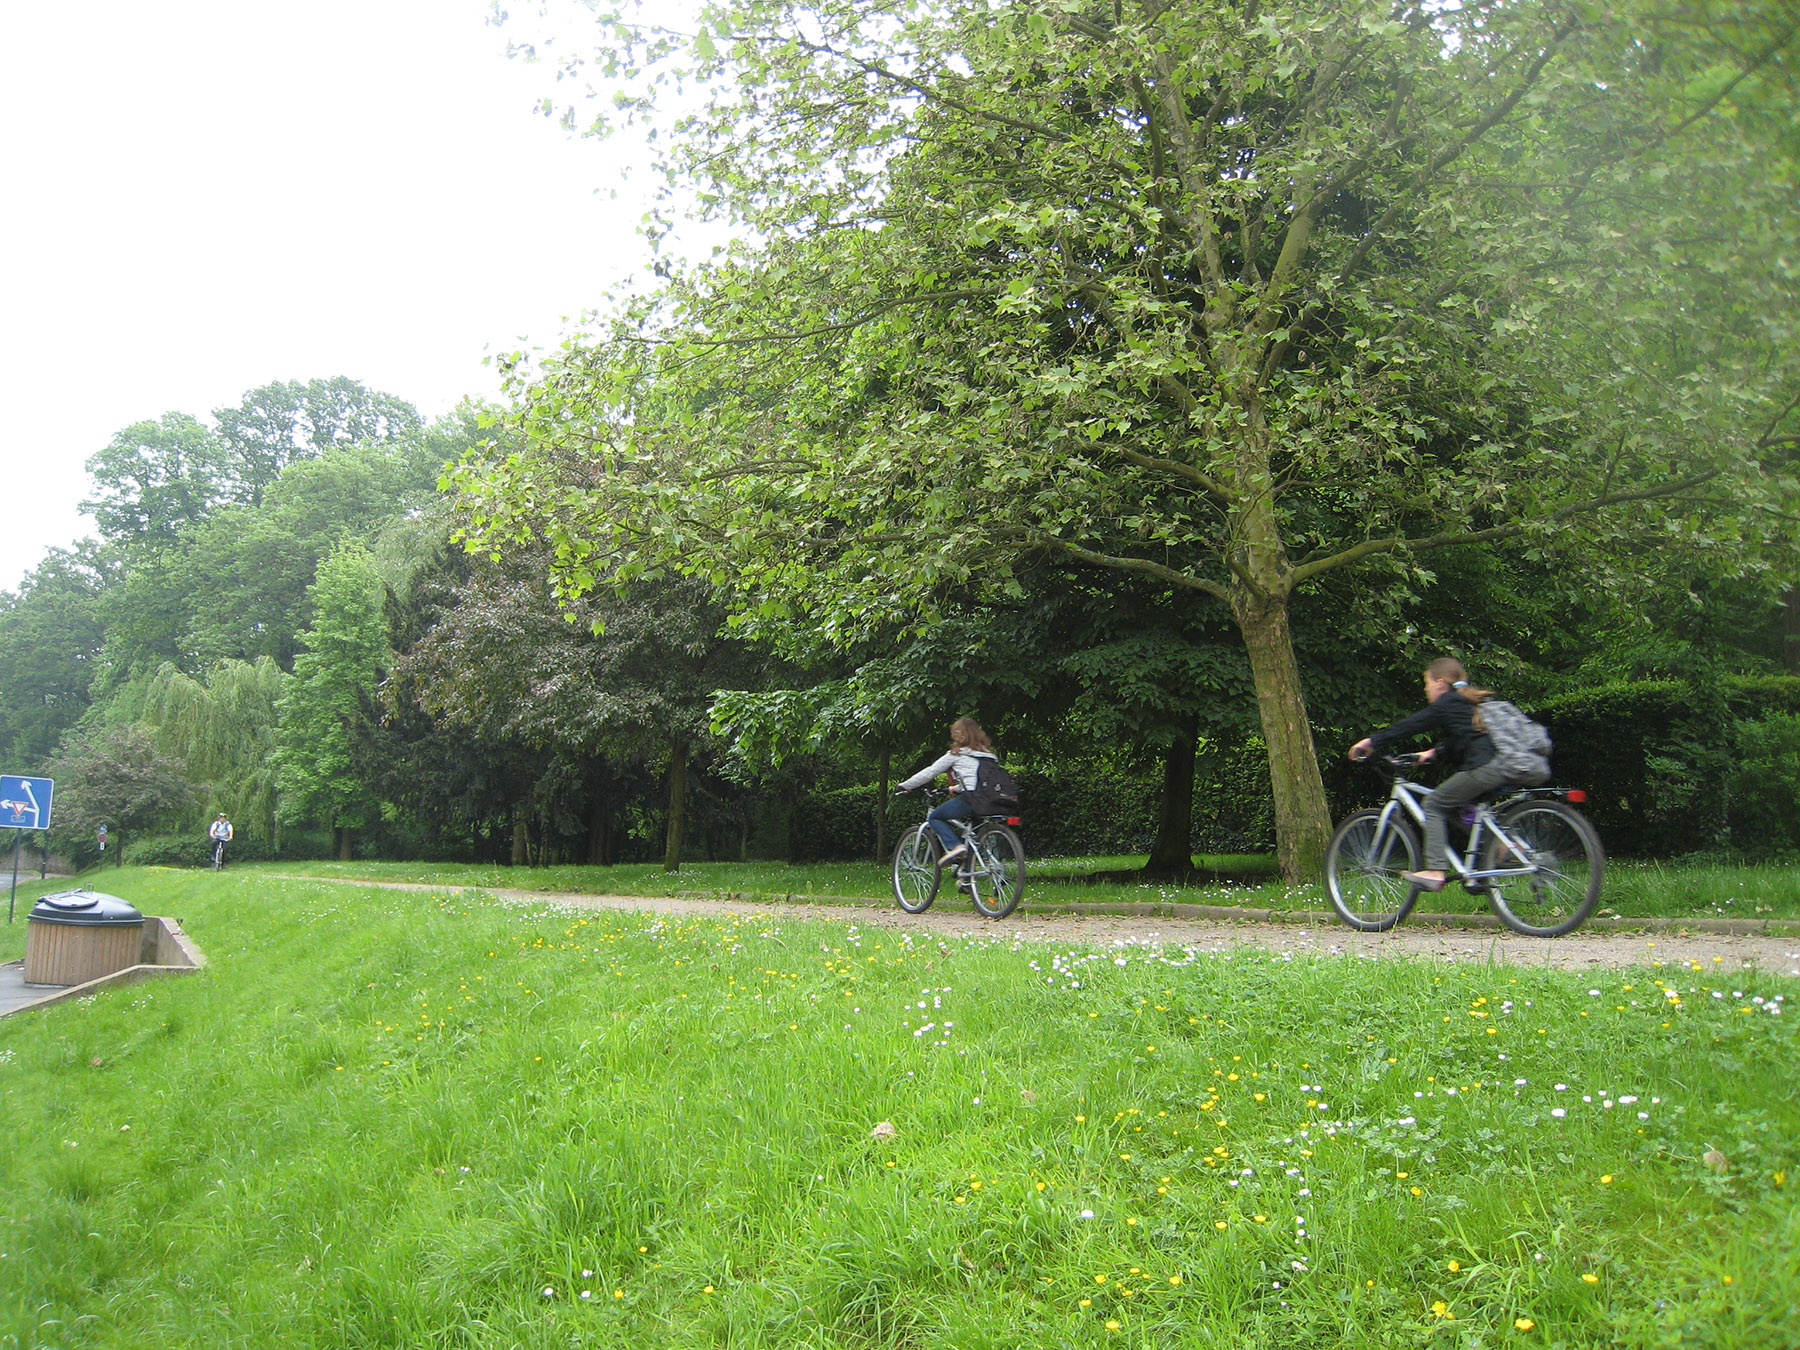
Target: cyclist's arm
(929,772)
(1429,718)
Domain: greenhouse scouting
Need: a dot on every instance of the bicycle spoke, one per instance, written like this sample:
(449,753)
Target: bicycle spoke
(996,871)
(1565,862)
(915,870)
(1363,864)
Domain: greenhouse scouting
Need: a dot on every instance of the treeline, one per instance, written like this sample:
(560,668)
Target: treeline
(277,619)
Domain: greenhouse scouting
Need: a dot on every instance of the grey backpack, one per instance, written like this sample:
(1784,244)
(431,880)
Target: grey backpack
(1521,746)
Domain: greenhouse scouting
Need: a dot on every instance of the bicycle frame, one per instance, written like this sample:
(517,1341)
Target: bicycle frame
(1408,796)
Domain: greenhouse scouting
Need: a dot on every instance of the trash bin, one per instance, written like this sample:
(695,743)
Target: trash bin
(72,937)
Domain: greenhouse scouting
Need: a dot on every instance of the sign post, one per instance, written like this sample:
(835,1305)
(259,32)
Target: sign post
(24,805)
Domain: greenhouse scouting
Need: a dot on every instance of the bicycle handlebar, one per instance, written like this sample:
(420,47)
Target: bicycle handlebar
(1394,763)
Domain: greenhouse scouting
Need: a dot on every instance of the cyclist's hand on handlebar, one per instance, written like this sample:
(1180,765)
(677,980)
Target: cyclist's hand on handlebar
(1362,749)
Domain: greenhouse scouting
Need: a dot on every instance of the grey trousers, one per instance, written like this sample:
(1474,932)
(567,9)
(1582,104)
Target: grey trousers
(1456,792)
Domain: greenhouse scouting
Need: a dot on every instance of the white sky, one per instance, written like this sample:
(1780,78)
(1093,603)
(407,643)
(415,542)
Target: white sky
(198,197)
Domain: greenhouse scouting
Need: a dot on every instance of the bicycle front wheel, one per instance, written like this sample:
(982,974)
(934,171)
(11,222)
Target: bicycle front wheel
(996,871)
(1363,863)
(916,870)
(1566,861)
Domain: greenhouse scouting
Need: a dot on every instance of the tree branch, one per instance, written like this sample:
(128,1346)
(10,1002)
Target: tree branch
(1448,538)
(1449,153)
(1174,576)
(1174,468)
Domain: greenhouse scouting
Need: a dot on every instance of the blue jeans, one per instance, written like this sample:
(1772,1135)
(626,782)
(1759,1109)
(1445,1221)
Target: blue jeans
(951,808)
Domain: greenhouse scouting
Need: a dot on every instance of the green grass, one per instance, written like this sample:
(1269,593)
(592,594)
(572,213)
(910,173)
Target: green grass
(402,1119)
(1633,889)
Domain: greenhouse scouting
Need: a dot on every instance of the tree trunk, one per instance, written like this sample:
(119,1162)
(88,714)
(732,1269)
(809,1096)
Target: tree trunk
(521,842)
(343,842)
(1302,819)
(677,806)
(1790,640)
(599,849)
(881,805)
(1173,852)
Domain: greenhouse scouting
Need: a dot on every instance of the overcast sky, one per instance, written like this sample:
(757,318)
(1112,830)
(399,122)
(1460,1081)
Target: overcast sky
(204,196)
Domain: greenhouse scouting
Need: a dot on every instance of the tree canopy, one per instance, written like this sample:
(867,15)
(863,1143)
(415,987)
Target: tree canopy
(1229,296)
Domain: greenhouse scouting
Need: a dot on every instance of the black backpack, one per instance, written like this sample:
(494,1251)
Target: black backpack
(994,792)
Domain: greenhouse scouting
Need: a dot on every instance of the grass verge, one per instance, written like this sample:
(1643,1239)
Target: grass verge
(390,1119)
(1633,889)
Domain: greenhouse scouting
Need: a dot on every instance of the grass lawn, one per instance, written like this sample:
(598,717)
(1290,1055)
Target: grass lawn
(1632,889)
(401,1119)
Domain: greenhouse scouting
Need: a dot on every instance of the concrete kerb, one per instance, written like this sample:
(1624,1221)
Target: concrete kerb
(166,950)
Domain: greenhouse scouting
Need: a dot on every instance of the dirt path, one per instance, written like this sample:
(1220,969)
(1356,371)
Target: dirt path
(1578,951)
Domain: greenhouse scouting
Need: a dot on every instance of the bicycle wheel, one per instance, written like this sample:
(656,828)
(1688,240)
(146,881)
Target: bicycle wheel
(1565,851)
(1363,863)
(996,871)
(916,869)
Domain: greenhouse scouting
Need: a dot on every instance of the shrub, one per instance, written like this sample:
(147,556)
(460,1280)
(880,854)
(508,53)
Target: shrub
(1765,787)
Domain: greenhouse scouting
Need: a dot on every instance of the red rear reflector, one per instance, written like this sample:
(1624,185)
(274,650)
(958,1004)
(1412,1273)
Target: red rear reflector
(1015,820)
(1577,794)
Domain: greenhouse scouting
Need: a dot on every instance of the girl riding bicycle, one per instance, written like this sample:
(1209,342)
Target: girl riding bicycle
(1451,712)
(969,745)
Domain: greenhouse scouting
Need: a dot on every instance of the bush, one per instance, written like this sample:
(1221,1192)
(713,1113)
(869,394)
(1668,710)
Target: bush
(1656,757)
(1765,787)
(189,849)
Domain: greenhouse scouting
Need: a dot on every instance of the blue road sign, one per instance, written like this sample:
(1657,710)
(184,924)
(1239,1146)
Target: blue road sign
(25,803)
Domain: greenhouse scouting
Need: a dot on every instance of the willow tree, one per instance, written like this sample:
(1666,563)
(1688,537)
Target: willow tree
(1224,293)
(222,728)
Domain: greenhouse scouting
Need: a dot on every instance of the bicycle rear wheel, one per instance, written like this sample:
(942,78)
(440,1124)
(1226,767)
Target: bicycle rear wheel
(996,871)
(916,869)
(1363,863)
(1565,852)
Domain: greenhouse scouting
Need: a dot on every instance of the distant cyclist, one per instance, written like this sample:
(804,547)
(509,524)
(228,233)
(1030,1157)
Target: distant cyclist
(969,745)
(220,834)
(1451,712)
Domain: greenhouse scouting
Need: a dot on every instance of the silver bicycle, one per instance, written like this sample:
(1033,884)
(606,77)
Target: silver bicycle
(992,873)
(1533,857)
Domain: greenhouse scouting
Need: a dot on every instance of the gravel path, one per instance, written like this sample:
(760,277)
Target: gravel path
(1579,951)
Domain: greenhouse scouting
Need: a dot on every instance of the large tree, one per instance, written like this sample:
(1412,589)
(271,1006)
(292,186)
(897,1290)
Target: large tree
(154,479)
(117,779)
(222,728)
(287,421)
(1233,295)
(51,636)
(334,681)
(626,676)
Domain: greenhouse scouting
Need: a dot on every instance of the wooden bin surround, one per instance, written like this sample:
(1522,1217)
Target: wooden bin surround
(65,953)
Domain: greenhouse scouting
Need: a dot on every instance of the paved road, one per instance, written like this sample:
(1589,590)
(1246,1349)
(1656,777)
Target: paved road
(1578,951)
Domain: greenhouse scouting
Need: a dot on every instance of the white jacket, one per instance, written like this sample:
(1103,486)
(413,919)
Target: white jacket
(965,764)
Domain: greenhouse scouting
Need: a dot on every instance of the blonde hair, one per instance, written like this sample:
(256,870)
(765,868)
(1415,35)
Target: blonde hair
(966,734)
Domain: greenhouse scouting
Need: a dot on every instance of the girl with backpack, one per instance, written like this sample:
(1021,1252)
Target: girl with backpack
(969,745)
(1468,743)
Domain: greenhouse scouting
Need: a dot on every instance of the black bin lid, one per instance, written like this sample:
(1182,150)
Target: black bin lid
(90,908)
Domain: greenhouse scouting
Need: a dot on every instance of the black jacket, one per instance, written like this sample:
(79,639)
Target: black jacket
(1453,717)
